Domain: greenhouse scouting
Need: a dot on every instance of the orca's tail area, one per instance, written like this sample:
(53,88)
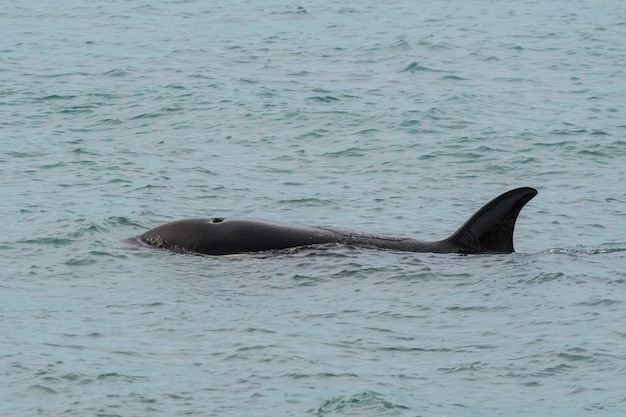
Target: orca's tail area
(491,228)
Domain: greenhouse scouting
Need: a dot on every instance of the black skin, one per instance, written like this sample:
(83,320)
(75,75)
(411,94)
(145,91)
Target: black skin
(489,230)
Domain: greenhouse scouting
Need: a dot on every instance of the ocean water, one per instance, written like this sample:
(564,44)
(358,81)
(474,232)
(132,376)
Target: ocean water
(398,118)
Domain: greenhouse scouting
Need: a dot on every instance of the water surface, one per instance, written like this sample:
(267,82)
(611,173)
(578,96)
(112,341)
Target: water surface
(398,119)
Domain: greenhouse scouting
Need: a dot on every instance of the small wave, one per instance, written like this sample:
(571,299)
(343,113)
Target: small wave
(414,349)
(257,330)
(546,277)
(476,308)
(599,133)
(553,370)
(52,165)
(89,228)
(53,241)
(415,67)
(474,366)
(593,250)
(42,389)
(306,202)
(349,152)
(57,97)
(454,78)
(78,109)
(120,221)
(83,151)
(17,154)
(574,357)
(314,134)
(323,99)
(78,378)
(92,257)
(366,132)
(363,403)
(116,377)
(298,375)
(66,346)
(605,302)
(148,115)
(110,121)
(115,73)
(80,262)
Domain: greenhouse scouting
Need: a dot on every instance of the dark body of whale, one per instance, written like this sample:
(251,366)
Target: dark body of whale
(489,230)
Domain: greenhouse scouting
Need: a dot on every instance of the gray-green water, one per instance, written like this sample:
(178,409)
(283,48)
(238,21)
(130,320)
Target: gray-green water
(397,118)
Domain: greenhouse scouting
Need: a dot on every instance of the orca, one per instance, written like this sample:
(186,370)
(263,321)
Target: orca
(489,230)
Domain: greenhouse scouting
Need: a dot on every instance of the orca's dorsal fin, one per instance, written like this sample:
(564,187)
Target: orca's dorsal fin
(491,228)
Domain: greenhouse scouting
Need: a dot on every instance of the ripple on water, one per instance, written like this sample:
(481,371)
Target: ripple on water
(363,403)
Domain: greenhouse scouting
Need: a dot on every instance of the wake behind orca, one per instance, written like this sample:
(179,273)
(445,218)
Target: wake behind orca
(489,230)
